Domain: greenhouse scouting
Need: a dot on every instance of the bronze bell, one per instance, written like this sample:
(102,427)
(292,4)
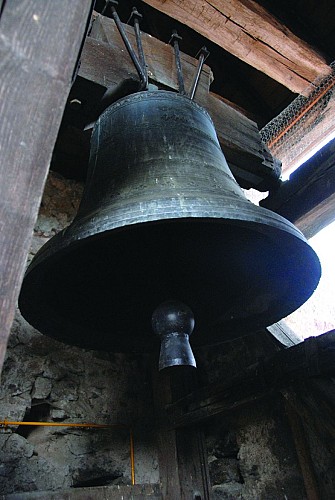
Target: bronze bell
(163,218)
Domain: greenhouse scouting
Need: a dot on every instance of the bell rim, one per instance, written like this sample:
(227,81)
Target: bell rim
(67,245)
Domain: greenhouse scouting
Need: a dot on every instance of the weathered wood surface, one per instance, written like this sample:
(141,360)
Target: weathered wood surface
(166,437)
(39,46)
(249,32)
(284,334)
(311,358)
(308,198)
(105,64)
(182,455)
(248,158)
(192,454)
(308,401)
(159,58)
(303,453)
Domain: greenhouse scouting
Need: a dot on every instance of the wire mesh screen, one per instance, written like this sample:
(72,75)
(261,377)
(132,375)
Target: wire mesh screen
(301,126)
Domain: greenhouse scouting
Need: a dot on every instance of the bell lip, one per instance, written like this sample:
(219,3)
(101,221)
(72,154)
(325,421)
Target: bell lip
(70,239)
(177,362)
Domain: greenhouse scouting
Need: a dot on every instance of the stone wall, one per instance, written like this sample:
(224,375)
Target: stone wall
(251,454)
(44,380)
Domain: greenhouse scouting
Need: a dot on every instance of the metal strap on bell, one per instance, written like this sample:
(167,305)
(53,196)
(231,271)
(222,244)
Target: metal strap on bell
(163,218)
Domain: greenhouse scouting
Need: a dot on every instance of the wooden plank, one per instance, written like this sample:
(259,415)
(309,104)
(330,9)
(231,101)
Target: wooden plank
(312,409)
(312,357)
(249,159)
(284,334)
(105,63)
(249,32)
(303,453)
(190,442)
(166,437)
(308,198)
(183,466)
(159,57)
(39,45)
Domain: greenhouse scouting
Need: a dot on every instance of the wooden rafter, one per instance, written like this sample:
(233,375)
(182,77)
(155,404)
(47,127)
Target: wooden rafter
(249,32)
(312,358)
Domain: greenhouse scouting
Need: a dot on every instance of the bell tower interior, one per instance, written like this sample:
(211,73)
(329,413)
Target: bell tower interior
(151,249)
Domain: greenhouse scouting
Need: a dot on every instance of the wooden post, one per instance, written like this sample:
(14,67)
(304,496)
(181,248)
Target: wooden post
(39,47)
(304,457)
(183,466)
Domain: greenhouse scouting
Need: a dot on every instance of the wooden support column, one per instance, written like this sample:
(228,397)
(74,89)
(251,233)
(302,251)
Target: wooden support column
(303,453)
(39,47)
(183,463)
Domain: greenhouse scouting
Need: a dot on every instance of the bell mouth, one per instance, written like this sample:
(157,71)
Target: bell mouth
(99,292)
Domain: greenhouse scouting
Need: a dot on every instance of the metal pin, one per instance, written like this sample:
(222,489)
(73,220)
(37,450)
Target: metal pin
(202,54)
(137,18)
(174,40)
(141,72)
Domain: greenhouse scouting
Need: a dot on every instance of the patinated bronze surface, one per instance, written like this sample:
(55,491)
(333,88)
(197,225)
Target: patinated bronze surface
(163,218)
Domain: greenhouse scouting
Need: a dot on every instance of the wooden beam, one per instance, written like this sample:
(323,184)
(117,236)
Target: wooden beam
(303,453)
(308,198)
(249,32)
(39,46)
(284,334)
(312,357)
(105,63)
(159,58)
(312,409)
(183,465)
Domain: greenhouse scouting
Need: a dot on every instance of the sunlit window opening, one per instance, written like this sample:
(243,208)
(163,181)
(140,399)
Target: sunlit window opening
(317,315)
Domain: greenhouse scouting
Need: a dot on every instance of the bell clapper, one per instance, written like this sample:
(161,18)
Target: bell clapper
(173,321)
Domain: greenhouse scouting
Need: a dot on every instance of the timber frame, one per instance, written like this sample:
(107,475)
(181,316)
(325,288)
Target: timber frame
(248,31)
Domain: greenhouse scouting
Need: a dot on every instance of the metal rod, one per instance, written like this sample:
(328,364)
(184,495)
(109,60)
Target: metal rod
(132,456)
(137,17)
(141,72)
(6,423)
(175,38)
(203,54)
